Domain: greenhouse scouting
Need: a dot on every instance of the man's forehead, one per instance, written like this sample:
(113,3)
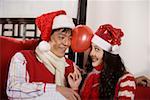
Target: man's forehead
(67,32)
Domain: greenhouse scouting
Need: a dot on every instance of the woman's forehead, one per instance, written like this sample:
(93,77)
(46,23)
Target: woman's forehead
(93,44)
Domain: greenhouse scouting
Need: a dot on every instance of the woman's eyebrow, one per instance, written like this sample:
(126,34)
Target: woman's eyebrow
(96,46)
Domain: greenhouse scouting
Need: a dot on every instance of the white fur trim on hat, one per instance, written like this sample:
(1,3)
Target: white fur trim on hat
(101,43)
(105,45)
(63,21)
(44,46)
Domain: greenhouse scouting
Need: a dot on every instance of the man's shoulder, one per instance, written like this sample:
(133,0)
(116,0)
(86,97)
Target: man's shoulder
(69,61)
(27,52)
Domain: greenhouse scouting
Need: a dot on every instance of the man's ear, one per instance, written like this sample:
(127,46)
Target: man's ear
(51,43)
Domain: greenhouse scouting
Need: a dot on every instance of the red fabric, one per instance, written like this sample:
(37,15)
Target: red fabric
(8,47)
(110,34)
(90,89)
(45,22)
(69,69)
(142,93)
(36,68)
(87,92)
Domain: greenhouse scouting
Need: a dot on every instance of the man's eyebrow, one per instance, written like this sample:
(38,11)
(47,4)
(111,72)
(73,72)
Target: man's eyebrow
(64,33)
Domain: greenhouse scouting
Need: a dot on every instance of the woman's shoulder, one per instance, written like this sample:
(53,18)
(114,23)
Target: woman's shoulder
(127,75)
(126,87)
(127,79)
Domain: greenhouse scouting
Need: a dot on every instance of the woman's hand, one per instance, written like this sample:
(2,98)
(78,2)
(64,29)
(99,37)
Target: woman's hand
(74,79)
(142,80)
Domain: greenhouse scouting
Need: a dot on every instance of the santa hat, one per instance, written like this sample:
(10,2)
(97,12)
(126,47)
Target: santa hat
(108,38)
(47,22)
(53,20)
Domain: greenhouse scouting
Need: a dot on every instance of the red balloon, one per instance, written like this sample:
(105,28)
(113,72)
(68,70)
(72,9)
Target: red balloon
(81,38)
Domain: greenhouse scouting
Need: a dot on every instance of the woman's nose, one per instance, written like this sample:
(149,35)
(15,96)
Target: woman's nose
(92,52)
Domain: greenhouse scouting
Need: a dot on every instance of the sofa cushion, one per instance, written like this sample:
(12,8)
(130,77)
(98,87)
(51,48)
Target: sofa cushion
(142,93)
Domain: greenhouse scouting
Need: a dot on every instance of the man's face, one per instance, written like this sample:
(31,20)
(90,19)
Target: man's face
(60,41)
(96,55)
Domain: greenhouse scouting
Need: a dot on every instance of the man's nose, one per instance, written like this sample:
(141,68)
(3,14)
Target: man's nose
(67,42)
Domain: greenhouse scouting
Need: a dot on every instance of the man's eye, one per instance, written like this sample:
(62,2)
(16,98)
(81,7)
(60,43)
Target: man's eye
(61,37)
(70,38)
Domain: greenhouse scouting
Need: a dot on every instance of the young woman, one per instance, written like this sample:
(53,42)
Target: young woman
(108,79)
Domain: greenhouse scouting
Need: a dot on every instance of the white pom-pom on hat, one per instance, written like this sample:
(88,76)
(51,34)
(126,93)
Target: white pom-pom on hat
(115,49)
(44,46)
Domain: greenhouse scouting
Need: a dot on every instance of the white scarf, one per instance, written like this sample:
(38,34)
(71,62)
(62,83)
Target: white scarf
(53,63)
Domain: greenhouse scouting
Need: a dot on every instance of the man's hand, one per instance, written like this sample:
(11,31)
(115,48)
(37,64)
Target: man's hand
(68,93)
(142,80)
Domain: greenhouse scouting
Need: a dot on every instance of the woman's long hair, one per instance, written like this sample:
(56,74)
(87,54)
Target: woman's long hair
(112,71)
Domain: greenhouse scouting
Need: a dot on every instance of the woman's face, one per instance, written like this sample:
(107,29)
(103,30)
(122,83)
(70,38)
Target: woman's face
(96,55)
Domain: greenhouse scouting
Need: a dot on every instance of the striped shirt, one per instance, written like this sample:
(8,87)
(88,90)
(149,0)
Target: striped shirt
(18,86)
(126,87)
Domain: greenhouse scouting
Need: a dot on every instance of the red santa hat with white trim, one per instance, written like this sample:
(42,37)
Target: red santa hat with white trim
(108,38)
(49,21)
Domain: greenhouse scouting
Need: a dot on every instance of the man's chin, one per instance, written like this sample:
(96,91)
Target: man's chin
(61,55)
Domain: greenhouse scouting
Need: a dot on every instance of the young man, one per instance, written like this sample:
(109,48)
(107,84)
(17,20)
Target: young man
(43,73)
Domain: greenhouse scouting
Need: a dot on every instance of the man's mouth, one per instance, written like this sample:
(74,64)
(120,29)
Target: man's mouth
(63,49)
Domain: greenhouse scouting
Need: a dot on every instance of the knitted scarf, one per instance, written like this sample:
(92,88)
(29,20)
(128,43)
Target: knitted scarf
(54,64)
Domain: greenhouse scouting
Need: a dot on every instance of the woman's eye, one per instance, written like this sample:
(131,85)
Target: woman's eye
(97,49)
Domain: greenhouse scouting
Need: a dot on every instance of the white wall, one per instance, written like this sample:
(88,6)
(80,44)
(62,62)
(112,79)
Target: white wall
(149,32)
(132,16)
(34,8)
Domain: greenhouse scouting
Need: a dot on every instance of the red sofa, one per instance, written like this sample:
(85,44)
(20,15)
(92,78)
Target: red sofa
(9,46)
